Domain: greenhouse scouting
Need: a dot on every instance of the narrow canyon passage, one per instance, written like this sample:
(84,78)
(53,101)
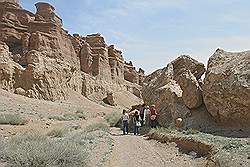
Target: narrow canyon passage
(136,151)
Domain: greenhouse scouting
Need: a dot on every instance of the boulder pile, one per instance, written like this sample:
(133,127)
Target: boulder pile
(176,91)
(223,98)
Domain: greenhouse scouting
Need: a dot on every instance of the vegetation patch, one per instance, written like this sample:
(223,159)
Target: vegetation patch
(40,151)
(113,118)
(97,127)
(57,132)
(220,151)
(69,116)
(12,119)
(190,131)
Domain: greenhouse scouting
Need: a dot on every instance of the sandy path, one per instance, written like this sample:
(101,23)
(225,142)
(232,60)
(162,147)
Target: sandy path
(136,151)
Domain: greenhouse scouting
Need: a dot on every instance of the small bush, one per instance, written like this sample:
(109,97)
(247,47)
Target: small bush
(57,132)
(96,127)
(81,114)
(232,145)
(68,116)
(74,127)
(113,118)
(162,130)
(191,131)
(41,151)
(12,119)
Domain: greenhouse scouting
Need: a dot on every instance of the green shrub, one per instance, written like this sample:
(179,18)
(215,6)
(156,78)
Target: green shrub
(81,114)
(41,151)
(12,119)
(74,127)
(97,126)
(162,130)
(113,118)
(57,132)
(232,145)
(191,131)
(68,116)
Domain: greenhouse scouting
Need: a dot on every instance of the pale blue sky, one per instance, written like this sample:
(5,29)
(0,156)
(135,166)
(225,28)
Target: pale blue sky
(151,33)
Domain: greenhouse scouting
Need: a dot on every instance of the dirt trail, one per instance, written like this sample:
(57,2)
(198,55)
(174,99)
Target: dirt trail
(136,151)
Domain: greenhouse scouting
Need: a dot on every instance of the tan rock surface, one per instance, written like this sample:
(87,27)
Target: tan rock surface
(176,93)
(186,62)
(46,62)
(192,93)
(226,88)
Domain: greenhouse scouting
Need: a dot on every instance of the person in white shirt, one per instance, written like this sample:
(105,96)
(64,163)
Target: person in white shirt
(125,119)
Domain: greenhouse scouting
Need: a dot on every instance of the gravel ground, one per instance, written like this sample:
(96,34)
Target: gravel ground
(136,151)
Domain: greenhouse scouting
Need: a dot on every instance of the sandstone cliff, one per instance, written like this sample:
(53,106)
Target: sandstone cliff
(39,59)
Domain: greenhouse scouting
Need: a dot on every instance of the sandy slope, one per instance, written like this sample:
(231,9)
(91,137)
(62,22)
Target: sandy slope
(136,151)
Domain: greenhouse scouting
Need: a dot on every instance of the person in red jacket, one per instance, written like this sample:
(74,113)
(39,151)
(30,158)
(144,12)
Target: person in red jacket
(153,115)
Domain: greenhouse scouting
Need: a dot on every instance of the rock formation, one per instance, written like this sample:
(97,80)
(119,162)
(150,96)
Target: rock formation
(226,88)
(192,93)
(131,75)
(40,59)
(176,92)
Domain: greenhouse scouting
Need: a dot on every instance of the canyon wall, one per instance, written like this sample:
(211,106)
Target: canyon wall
(39,59)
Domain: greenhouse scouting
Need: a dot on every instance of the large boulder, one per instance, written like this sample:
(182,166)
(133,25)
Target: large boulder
(192,93)
(226,88)
(186,62)
(176,92)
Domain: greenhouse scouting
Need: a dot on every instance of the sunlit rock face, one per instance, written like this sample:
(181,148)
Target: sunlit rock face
(177,93)
(226,88)
(41,60)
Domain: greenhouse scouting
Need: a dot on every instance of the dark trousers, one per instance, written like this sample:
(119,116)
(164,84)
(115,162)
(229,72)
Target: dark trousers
(153,123)
(136,130)
(142,119)
(125,127)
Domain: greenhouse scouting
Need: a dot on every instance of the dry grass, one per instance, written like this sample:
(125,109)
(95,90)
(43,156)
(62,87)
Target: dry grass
(113,118)
(69,116)
(40,151)
(97,126)
(227,151)
(12,119)
(57,132)
(68,146)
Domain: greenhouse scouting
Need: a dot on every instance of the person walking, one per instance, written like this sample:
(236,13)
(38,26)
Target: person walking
(125,119)
(142,114)
(137,123)
(153,116)
(147,116)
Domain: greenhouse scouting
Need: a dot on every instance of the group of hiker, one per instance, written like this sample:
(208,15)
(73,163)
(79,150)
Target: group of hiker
(145,116)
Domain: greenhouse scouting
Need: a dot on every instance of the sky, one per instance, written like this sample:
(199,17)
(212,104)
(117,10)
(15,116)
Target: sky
(152,33)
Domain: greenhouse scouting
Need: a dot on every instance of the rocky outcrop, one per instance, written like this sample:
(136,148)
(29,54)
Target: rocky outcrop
(176,92)
(116,63)
(40,59)
(192,93)
(110,99)
(105,61)
(186,62)
(131,75)
(9,70)
(43,49)
(226,88)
